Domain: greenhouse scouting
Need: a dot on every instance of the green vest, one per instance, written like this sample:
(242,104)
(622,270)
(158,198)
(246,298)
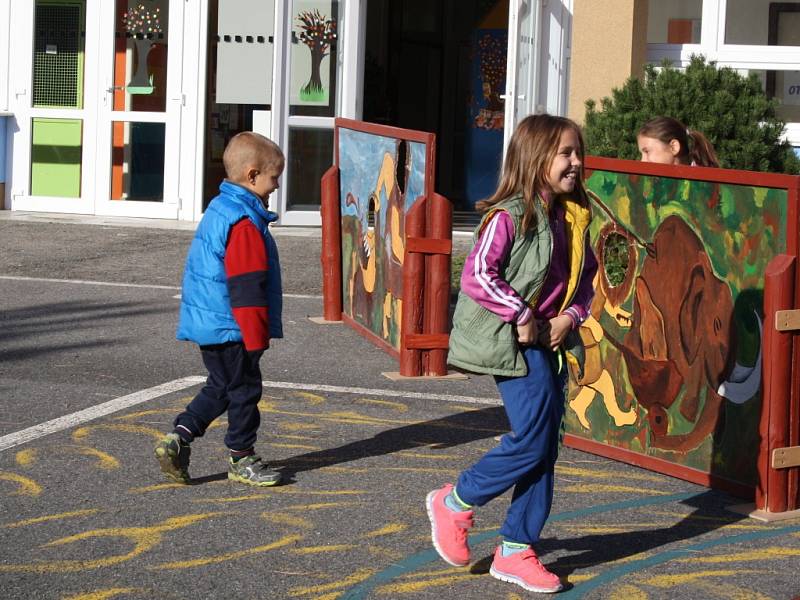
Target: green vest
(482,342)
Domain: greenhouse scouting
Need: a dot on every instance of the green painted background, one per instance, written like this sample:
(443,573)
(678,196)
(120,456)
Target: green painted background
(742,229)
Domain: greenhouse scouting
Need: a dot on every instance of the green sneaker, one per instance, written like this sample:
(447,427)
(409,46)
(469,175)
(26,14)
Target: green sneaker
(173,457)
(252,471)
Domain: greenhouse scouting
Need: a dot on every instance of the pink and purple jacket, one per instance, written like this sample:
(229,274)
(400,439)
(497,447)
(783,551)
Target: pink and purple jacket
(481,278)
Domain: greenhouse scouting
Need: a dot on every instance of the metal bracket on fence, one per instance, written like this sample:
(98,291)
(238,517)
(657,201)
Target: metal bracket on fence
(787,320)
(783,458)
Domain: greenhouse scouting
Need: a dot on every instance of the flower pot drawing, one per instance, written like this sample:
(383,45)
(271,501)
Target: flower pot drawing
(141,82)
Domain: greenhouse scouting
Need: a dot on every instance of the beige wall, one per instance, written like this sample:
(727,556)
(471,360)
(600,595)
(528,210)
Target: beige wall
(609,44)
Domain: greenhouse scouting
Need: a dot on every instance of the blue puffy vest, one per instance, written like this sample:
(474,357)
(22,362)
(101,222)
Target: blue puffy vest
(206,316)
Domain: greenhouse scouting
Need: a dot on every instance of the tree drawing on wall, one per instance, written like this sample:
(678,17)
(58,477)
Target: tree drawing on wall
(493,75)
(318,33)
(143,25)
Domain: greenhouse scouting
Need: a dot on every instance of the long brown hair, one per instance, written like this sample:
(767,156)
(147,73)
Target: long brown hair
(695,147)
(531,150)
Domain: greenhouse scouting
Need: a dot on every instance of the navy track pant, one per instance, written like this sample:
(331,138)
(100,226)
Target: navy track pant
(233,384)
(526,456)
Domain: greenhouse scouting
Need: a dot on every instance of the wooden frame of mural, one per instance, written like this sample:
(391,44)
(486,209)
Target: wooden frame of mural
(387,242)
(673,365)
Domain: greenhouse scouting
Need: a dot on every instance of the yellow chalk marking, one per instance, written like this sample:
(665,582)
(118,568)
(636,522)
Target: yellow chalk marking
(102,594)
(398,406)
(46,518)
(407,588)
(323,549)
(312,398)
(561,470)
(106,461)
(628,592)
(594,488)
(433,573)
(217,423)
(211,560)
(284,519)
(321,505)
(429,456)
(293,437)
(357,577)
(157,487)
(348,417)
(513,596)
(717,589)
(668,581)
(292,491)
(582,577)
(25,457)
(771,553)
(143,538)
(145,413)
(27,486)
(81,433)
(295,446)
(232,499)
(299,426)
(387,530)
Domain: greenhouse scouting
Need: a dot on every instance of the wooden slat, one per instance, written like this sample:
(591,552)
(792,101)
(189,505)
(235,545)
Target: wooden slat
(426,341)
(786,457)
(787,320)
(429,245)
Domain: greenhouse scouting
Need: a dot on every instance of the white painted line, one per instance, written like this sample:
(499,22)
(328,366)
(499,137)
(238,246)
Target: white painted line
(130,285)
(82,282)
(89,414)
(378,392)
(94,412)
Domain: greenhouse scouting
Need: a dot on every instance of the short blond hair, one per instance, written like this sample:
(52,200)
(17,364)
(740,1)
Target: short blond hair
(249,149)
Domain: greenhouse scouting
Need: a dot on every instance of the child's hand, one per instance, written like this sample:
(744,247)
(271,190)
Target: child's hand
(527,333)
(555,332)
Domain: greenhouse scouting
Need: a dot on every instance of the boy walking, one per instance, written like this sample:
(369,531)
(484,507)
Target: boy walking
(231,307)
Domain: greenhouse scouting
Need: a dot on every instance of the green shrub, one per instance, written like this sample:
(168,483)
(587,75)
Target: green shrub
(456,266)
(731,110)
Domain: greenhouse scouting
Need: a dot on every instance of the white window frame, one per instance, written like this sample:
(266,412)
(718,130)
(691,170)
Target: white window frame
(737,56)
(349,90)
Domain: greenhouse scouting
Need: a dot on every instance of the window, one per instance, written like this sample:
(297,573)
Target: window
(762,23)
(674,22)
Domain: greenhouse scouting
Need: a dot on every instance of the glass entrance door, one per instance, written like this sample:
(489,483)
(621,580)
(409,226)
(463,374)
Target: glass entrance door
(140,108)
(538,59)
(97,105)
(53,129)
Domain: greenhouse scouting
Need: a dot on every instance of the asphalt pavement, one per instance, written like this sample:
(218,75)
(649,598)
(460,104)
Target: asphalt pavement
(91,376)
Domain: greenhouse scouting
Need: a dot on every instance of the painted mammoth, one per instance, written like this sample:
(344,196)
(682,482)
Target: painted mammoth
(681,345)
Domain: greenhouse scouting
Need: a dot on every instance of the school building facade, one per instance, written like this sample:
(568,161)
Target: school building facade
(123,107)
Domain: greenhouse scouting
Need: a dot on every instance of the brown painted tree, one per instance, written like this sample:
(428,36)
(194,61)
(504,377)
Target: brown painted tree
(318,33)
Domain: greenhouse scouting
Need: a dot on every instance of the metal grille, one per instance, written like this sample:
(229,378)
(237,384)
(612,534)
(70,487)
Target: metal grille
(57,55)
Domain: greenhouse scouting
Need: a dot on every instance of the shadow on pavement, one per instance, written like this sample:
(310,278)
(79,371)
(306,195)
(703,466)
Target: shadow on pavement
(590,551)
(445,432)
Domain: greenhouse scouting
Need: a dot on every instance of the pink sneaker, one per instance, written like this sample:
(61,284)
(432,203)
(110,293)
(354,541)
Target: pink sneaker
(449,528)
(524,569)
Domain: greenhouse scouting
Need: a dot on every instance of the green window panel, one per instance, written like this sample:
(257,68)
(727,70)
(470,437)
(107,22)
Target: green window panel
(56,154)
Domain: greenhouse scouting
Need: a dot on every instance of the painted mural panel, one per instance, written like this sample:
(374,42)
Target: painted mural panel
(381,178)
(673,345)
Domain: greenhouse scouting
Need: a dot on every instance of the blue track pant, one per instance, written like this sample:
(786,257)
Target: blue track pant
(525,457)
